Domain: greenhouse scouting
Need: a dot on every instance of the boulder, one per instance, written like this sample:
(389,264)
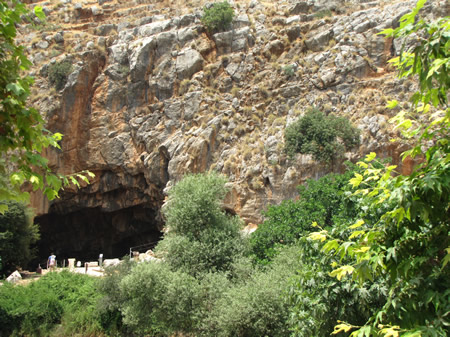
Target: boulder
(58,38)
(240,21)
(42,44)
(319,41)
(301,7)
(275,47)
(141,57)
(154,28)
(104,30)
(232,41)
(191,104)
(110,262)
(189,61)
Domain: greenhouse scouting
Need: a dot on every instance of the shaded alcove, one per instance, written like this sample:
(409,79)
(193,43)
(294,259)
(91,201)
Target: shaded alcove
(87,232)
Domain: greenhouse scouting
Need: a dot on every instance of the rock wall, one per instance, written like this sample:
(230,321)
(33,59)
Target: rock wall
(153,96)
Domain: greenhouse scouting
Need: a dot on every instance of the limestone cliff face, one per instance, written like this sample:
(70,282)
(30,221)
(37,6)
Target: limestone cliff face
(152,96)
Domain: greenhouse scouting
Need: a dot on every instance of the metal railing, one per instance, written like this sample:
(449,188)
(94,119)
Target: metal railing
(146,246)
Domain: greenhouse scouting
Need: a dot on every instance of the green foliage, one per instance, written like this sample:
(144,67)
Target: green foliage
(218,17)
(17,234)
(318,301)
(58,73)
(289,70)
(408,242)
(326,138)
(36,309)
(23,136)
(205,285)
(201,236)
(429,59)
(256,306)
(110,303)
(323,13)
(322,200)
(158,300)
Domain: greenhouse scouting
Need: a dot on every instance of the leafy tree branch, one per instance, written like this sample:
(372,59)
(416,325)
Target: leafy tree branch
(23,135)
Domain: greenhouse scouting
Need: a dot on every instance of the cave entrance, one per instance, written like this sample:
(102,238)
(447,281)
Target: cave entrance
(88,232)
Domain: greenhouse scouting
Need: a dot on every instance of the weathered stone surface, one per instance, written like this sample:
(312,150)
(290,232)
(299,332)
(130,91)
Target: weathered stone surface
(292,19)
(42,44)
(301,7)
(241,21)
(154,28)
(232,41)
(320,41)
(275,47)
(141,57)
(106,29)
(119,53)
(192,104)
(58,37)
(185,35)
(189,61)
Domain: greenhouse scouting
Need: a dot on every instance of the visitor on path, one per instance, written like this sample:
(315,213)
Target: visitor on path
(51,262)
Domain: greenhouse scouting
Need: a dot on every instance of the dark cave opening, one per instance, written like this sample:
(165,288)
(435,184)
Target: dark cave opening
(88,232)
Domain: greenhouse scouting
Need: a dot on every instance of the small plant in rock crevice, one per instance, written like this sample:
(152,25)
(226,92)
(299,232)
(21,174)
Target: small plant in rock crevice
(58,73)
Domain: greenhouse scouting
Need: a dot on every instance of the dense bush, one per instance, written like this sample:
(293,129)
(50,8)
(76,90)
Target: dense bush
(256,306)
(408,243)
(40,307)
(326,138)
(201,237)
(218,17)
(323,200)
(110,303)
(17,234)
(318,301)
(159,301)
(206,286)
(58,73)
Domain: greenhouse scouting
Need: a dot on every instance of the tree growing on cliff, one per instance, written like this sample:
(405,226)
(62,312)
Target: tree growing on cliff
(325,137)
(23,136)
(218,17)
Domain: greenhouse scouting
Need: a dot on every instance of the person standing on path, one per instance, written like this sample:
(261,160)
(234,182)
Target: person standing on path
(51,262)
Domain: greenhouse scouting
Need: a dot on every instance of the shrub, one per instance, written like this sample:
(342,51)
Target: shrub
(323,13)
(36,309)
(17,234)
(256,307)
(158,300)
(289,70)
(322,200)
(201,236)
(317,300)
(110,303)
(218,17)
(59,72)
(326,138)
